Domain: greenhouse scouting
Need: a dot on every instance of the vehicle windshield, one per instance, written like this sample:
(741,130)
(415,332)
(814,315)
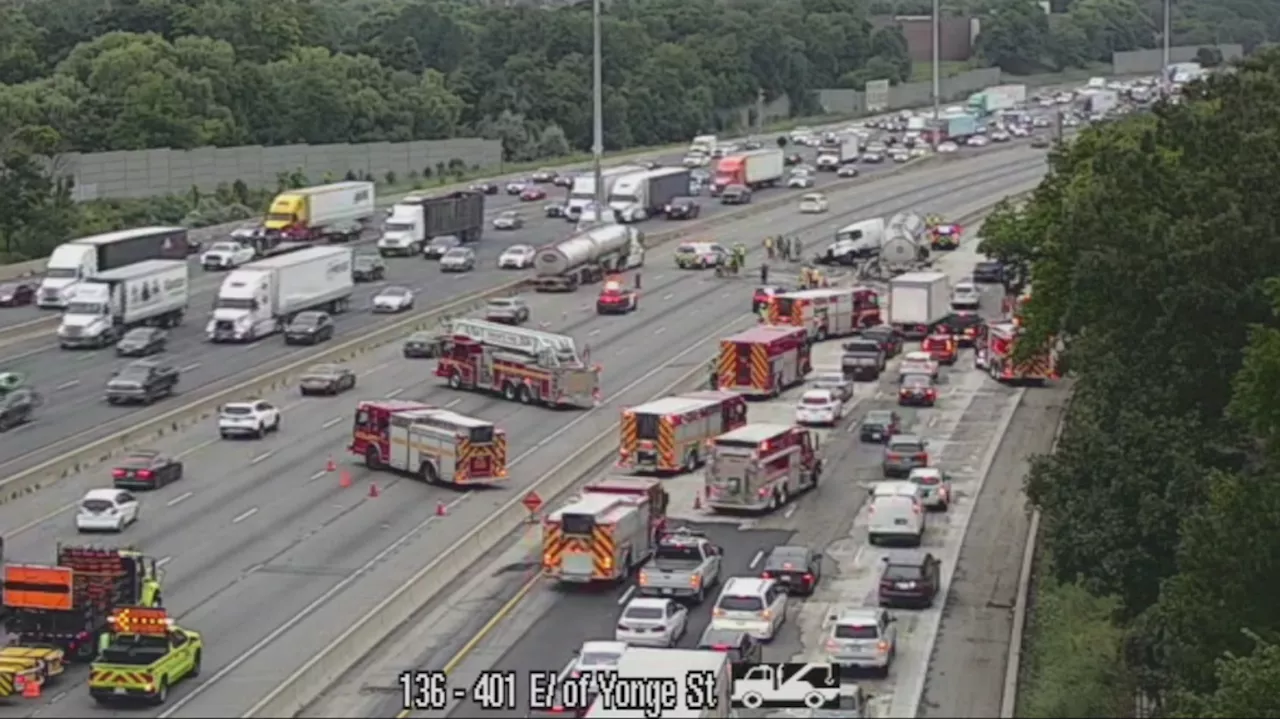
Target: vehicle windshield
(236,303)
(501,304)
(644,613)
(138,460)
(508,215)
(819,400)
(915,381)
(518,250)
(731,603)
(140,334)
(925,478)
(597,659)
(86,308)
(224,247)
(788,559)
(879,334)
(902,572)
(687,250)
(904,447)
(397,227)
(457,253)
(878,418)
(830,378)
(857,631)
(133,374)
(306,319)
(867,346)
(237,410)
(134,656)
(97,505)
(323,369)
(364,262)
(667,550)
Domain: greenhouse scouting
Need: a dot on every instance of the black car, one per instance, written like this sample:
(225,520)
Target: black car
(862,359)
(436,248)
(142,341)
(554,210)
(368,268)
(989,272)
(17,406)
(890,339)
(794,158)
(309,328)
(326,379)
(736,195)
(879,425)
(683,208)
(421,345)
(917,390)
(343,232)
(912,580)
(796,568)
(142,381)
(17,294)
(145,469)
(961,325)
(740,646)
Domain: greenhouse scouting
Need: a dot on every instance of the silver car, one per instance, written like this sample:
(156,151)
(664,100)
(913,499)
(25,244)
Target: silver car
(862,639)
(509,220)
(459,259)
(836,382)
(903,453)
(393,299)
(508,310)
(935,487)
(652,622)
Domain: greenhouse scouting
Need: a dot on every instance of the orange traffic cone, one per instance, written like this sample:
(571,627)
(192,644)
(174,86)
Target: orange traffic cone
(344,480)
(442,509)
(330,465)
(373,489)
(31,690)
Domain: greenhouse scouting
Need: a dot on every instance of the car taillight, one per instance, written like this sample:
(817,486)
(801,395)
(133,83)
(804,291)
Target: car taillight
(808,578)
(922,458)
(721,647)
(119,473)
(894,455)
(932,394)
(144,474)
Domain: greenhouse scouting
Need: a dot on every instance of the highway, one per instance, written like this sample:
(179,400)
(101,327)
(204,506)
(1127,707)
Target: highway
(268,556)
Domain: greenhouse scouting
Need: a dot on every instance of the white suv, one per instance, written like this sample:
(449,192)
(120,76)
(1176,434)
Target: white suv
(254,418)
(754,606)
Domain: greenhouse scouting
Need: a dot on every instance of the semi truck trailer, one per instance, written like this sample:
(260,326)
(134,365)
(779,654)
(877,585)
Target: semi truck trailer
(152,292)
(259,298)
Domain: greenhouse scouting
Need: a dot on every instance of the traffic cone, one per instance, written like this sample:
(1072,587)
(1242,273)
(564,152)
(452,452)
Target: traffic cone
(330,465)
(373,489)
(31,690)
(442,509)
(344,480)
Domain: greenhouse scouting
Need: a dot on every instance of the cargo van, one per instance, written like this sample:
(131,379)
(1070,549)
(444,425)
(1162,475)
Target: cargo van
(896,514)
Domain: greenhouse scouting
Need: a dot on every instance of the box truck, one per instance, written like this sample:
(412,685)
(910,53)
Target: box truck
(755,169)
(416,221)
(641,195)
(305,213)
(259,298)
(79,260)
(583,192)
(841,150)
(918,301)
(997,99)
(958,127)
(151,292)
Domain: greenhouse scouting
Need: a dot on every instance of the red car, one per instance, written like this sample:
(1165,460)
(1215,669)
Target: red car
(942,347)
(17,294)
(533,194)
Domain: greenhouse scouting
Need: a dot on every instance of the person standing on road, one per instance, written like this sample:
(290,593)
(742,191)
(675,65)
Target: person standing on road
(764,273)
(768,246)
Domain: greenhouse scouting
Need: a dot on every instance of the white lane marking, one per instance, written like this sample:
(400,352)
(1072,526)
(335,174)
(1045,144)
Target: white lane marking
(245,515)
(724,295)
(626,596)
(453,403)
(189,367)
(318,475)
(668,296)
(655,278)
(68,384)
(755,561)
(260,457)
(660,330)
(163,561)
(933,421)
(331,422)
(180,498)
(395,392)
(594,332)
(790,511)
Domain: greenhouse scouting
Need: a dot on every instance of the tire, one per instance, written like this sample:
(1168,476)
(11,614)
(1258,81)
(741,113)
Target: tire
(428,474)
(526,396)
(455,380)
(260,433)
(195,667)
(773,503)
(509,392)
(690,461)
(275,426)
(162,692)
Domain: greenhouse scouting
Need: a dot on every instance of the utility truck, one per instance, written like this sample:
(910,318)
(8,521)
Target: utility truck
(78,260)
(259,298)
(306,213)
(587,257)
(416,221)
(918,301)
(153,292)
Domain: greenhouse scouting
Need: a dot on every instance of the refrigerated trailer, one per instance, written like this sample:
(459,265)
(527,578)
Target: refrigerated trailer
(261,297)
(154,292)
(78,260)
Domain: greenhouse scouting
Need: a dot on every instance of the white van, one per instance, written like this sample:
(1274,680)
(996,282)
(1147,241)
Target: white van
(896,514)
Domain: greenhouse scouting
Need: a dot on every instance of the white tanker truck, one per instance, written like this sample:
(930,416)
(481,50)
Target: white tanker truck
(587,257)
(906,246)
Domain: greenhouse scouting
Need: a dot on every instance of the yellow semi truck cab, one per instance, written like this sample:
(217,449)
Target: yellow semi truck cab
(146,655)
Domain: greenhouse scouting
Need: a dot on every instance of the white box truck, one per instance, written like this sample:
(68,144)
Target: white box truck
(78,260)
(918,301)
(261,297)
(841,150)
(583,192)
(152,292)
(641,195)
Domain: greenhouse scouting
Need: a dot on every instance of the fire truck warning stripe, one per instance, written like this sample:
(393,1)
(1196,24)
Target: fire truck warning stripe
(629,439)
(602,548)
(6,684)
(727,367)
(759,367)
(666,444)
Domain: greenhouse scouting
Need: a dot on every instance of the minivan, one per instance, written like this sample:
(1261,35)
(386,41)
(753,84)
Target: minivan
(896,514)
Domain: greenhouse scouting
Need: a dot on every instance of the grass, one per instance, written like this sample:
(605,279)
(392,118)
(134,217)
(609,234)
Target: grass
(923,71)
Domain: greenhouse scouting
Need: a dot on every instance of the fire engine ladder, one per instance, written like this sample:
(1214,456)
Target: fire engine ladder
(552,350)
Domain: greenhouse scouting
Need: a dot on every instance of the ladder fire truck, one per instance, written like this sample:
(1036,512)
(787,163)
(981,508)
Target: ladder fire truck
(761,467)
(828,312)
(520,364)
(431,443)
(609,528)
(994,348)
(671,434)
(764,360)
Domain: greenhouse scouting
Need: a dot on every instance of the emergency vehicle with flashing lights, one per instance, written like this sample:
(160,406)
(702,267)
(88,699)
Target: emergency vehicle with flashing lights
(943,348)
(674,434)
(826,312)
(994,349)
(761,467)
(606,530)
(617,299)
(146,656)
(945,236)
(518,363)
(431,443)
(764,360)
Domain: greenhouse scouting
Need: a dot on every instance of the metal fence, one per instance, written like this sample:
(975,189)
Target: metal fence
(912,94)
(1149,62)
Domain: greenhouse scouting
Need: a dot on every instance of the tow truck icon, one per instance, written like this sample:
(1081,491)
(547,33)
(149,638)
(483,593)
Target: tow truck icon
(814,686)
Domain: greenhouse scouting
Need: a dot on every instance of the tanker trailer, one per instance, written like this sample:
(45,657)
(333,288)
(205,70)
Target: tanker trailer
(587,257)
(904,248)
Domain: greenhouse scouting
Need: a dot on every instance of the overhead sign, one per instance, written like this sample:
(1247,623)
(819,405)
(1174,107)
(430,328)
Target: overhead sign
(876,95)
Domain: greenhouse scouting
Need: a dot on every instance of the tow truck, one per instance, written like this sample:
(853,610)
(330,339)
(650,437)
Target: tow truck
(616,298)
(145,656)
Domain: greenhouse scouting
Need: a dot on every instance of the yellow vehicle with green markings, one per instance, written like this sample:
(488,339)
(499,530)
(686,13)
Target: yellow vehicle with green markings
(25,670)
(143,657)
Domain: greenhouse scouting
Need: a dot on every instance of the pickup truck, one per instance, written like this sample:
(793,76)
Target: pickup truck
(685,565)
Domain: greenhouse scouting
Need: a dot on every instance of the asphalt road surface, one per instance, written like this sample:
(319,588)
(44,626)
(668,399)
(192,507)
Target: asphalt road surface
(270,558)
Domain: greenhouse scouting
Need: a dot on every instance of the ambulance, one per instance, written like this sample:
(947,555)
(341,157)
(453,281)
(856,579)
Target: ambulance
(428,442)
(826,312)
(610,527)
(673,434)
(764,360)
(761,467)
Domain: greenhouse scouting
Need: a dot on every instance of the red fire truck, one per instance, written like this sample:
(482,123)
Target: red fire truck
(428,442)
(993,351)
(764,360)
(671,434)
(518,363)
(761,467)
(827,312)
(610,527)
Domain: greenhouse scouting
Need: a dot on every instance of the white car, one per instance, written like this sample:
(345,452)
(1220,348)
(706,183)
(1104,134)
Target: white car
(106,510)
(978,141)
(900,155)
(835,382)
(253,418)
(918,363)
(862,638)
(515,187)
(1000,136)
(919,151)
(517,257)
(393,299)
(965,296)
(819,406)
(948,147)
(652,622)
(813,202)
(226,255)
(509,220)
(696,159)
(598,656)
(800,180)
(935,487)
(755,606)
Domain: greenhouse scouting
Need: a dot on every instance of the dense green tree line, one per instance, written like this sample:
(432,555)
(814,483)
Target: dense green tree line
(1154,256)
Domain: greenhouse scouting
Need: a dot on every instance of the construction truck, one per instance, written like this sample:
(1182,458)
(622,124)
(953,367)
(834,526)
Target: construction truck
(764,360)
(520,364)
(587,257)
(761,467)
(671,434)
(609,528)
(431,443)
(825,313)
(145,654)
(67,605)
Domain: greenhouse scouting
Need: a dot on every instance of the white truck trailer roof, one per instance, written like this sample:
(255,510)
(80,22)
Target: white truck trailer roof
(642,663)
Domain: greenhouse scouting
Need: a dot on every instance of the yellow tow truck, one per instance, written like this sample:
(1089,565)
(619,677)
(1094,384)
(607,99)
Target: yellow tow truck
(145,656)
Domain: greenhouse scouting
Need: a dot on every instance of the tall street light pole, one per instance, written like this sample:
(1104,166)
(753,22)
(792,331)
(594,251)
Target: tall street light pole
(597,108)
(937,71)
(1168,6)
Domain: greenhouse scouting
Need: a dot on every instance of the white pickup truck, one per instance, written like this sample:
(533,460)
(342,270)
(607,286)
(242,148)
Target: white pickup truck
(685,565)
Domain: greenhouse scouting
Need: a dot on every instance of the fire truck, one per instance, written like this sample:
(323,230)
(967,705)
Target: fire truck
(761,467)
(431,443)
(609,528)
(521,364)
(617,299)
(671,434)
(993,351)
(828,312)
(764,360)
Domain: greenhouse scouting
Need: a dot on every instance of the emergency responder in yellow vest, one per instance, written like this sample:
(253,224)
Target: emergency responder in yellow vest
(151,593)
(806,277)
(768,246)
(713,369)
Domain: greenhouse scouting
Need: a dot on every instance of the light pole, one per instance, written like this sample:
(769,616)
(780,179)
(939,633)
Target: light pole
(1168,7)
(597,108)
(937,72)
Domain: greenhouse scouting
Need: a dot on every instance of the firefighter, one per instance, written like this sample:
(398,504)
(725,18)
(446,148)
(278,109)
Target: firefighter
(784,248)
(740,255)
(797,249)
(768,246)
(713,369)
(806,277)
(764,273)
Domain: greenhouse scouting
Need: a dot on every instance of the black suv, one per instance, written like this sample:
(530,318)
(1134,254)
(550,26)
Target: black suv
(863,359)
(911,580)
(683,208)
(740,646)
(143,382)
(309,328)
(17,406)
(989,272)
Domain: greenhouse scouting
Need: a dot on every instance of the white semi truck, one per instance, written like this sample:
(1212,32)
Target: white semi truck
(79,260)
(259,298)
(151,292)
(587,257)
(918,301)
(641,195)
(583,192)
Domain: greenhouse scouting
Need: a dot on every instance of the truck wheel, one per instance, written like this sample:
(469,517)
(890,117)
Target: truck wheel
(195,666)
(428,473)
(509,392)
(526,395)
(455,380)
(691,461)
